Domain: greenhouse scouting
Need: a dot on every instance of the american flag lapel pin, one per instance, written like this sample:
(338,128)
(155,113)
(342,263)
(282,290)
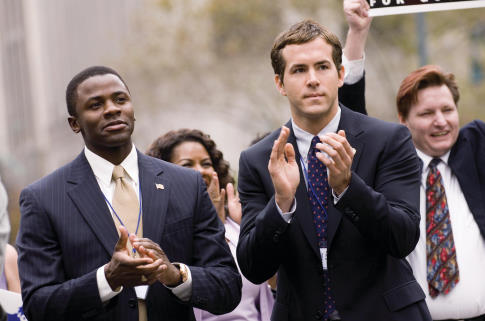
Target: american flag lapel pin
(159,186)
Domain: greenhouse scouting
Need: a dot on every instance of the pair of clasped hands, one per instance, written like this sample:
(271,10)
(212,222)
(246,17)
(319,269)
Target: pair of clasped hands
(285,174)
(149,266)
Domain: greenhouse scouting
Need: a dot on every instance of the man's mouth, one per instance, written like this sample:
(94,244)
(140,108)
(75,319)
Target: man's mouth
(439,134)
(115,125)
(313,95)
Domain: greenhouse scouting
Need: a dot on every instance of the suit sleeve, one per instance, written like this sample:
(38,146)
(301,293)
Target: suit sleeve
(387,213)
(216,283)
(46,291)
(353,96)
(260,248)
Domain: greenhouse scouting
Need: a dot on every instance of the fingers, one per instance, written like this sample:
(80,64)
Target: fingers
(289,153)
(231,195)
(213,189)
(338,148)
(121,244)
(233,204)
(279,145)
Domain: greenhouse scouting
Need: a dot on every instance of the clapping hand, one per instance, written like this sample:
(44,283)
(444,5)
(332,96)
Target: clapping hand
(217,196)
(339,159)
(284,170)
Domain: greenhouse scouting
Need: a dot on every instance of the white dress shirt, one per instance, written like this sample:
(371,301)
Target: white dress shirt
(467,298)
(304,141)
(103,171)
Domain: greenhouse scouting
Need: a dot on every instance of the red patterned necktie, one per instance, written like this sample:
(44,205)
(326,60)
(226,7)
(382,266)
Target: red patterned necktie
(442,266)
(318,188)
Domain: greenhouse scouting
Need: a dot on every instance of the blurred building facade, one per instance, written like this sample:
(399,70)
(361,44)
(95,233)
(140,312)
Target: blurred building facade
(42,45)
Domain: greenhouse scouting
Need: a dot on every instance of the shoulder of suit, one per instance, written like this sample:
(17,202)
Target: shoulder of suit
(475,127)
(167,167)
(373,125)
(54,178)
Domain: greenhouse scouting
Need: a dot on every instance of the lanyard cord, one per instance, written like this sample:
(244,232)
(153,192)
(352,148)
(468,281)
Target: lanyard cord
(119,219)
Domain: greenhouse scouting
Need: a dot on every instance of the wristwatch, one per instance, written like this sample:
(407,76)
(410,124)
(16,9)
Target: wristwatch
(184,274)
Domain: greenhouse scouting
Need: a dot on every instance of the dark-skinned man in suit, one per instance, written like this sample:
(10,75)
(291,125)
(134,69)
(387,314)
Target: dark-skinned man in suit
(69,222)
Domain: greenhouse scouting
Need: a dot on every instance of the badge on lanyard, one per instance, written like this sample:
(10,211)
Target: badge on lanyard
(323,254)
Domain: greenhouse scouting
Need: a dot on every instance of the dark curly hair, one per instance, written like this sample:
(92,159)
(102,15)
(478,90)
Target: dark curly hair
(163,146)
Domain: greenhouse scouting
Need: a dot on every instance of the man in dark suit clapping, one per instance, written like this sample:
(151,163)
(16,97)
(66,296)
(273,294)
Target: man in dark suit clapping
(150,212)
(330,200)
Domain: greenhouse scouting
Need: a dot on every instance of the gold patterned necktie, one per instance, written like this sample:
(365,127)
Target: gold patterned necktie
(126,204)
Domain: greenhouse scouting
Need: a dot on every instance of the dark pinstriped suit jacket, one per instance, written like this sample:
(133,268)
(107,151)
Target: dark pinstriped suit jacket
(67,233)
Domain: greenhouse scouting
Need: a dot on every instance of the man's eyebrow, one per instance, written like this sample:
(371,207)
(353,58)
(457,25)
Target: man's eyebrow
(298,65)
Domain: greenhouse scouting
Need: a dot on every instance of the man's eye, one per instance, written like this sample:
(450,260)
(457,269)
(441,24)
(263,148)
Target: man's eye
(323,67)
(121,100)
(95,105)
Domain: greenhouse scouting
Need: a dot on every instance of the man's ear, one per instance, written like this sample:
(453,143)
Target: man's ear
(402,120)
(279,84)
(74,124)
(341,75)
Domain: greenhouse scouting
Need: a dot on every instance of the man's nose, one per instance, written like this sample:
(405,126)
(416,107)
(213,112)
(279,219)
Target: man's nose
(440,119)
(313,80)
(111,107)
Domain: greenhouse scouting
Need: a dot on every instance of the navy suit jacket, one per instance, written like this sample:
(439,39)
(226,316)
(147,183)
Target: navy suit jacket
(67,232)
(467,161)
(370,230)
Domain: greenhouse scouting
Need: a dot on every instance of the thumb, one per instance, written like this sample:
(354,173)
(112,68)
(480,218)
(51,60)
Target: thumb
(121,244)
(289,153)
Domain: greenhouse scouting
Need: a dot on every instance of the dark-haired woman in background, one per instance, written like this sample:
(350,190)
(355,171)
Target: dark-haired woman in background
(193,149)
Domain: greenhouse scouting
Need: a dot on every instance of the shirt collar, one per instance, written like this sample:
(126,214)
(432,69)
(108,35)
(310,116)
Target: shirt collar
(304,139)
(427,159)
(103,169)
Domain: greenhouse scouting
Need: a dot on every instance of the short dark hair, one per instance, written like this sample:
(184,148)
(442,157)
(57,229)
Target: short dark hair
(164,145)
(422,78)
(300,33)
(71,90)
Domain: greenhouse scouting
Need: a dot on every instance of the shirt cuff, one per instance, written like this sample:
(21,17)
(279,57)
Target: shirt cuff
(184,290)
(105,292)
(337,198)
(288,215)
(354,70)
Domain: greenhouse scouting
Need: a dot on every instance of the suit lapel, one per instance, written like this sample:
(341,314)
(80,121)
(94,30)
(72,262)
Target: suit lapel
(89,200)
(155,190)
(304,216)
(352,131)
(468,177)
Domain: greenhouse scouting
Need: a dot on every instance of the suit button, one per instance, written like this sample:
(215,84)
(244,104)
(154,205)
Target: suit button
(132,303)
(349,211)
(318,315)
(276,237)
(355,217)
